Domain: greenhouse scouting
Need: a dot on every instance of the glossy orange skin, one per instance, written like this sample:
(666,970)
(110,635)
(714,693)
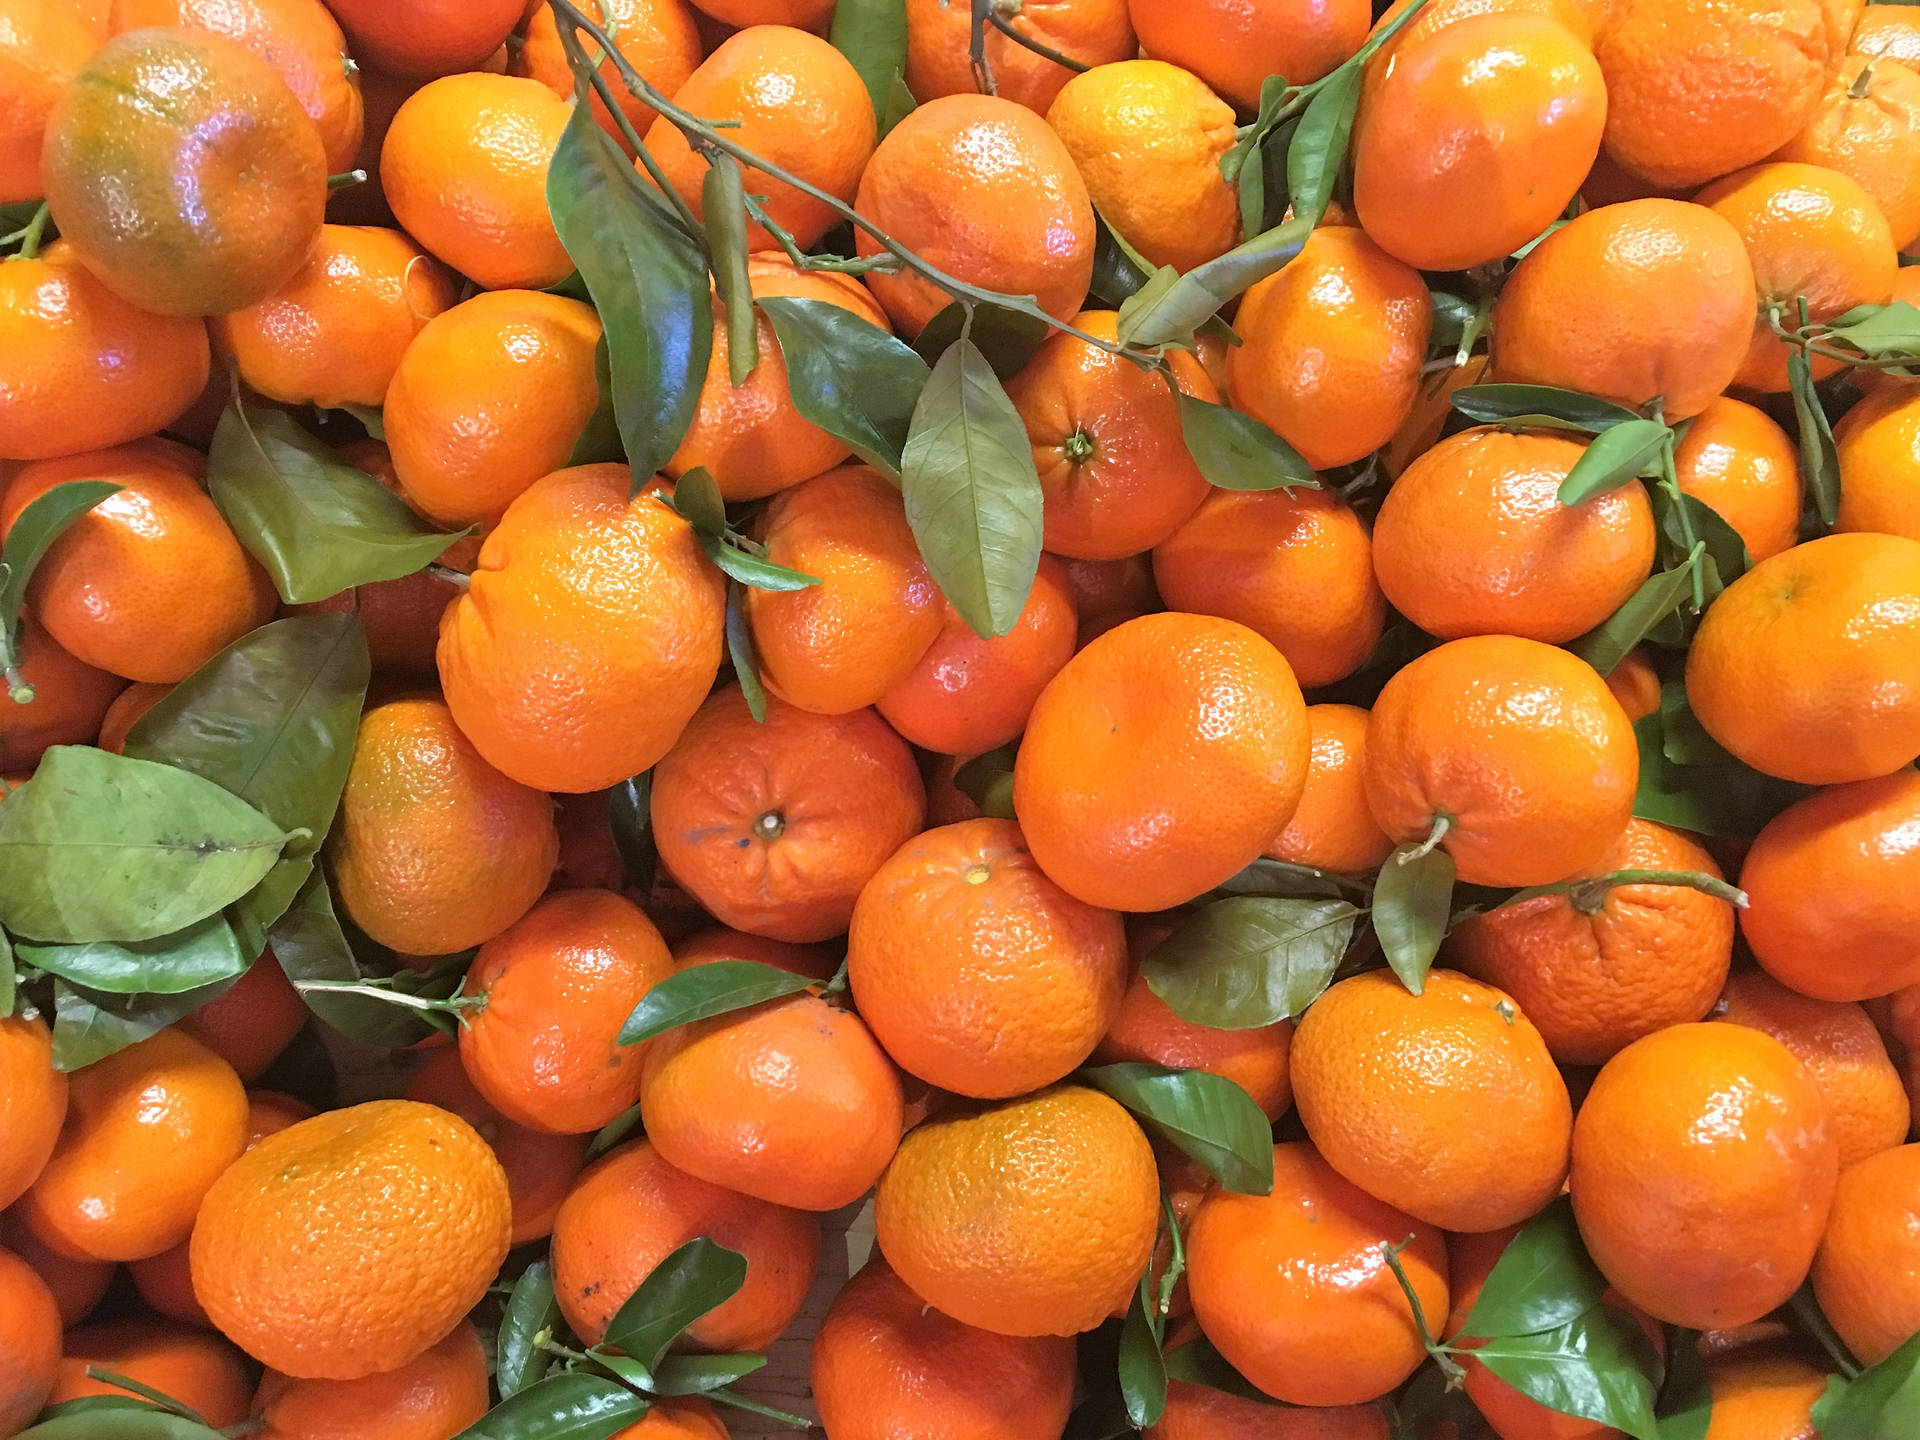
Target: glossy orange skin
(844,643)
(29,1343)
(148,1130)
(631,1209)
(1886,31)
(187,1364)
(184,172)
(1160,760)
(886,1366)
(743,1100)
(982,188)
(1703,1165)
(434,850)
(1831,881)
(1647,298)
(252,1021)
(1808,666)
(1068,1182)
(70,700)
(1294,1290)
(1843,1054)
(800,105)
(659,38)
(1094,32)
(816,961)
(1813,234)
(774,827)
(464,166)
(1521,744)
(76,1285)
(436,1395)
(1763,1397)
(42,48)
(1115,475)
(1595,981)
(1333,829)
(1742,465)
(1696,88)
(1332,347)
(1382,1077)
(1234,46)
(967,695)
(1296,566)
(1582,17)
(1195,1412)
(688,1419)
(419,39)
(353,1242)
(1635,684)
(1474,139)
(560,983)
(125,712)
(749,437)
(1879,445)
(1874,139)
(590,634)
(1863,1275)
(975,970)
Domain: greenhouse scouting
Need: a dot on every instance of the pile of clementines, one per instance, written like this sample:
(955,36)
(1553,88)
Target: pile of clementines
(1222,692)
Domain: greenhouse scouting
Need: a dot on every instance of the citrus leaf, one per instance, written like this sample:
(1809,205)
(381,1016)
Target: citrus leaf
(740,564)
(1598,1366)
(1008,338)
(1686,1403)
(1543,1279)
(1319,145)
(696,499)
(518,1360)
(1513,404)
(613,1132)
(872,34)
(1613,457)
(1879,330)
(29,538)
(1167,311)
(1658,597)
(1714,799)
(89,1025)
(987,780)
(1143,1369)
(1411,904)
(1725,548)
(854,380)
(568,1406)
(702,1374)
(9,982)
(310,945)
(1237,452)
(599,442)
(1249,961)
(723,210)
(1118,269)
(1819,459)
(129,1422)
(1878,1404)
(681,1288)
(1198,1363)
(202,954)
(704,991)
(744,656)
(1210,1118)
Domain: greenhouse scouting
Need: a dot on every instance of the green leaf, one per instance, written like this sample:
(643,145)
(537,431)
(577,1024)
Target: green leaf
(872,34)
(987,780)
(9,981)
(701,992)
(1281,878)
(317,525)
(1118,269)
(1686,1402)
(569,1406)
(1143,1369)
(1319,146)
(972,494)
(143,1391)
(1198,1363)
(1237,452)
(1242,963)
(683,1287)
(1658,597)
(1879,330)
(1542,1280)
(104,847)
(1714,799)
(736,561)
(900,104)
(613,1132)
(744,656)
(1411,904)
(1598,1366)
(1210,1118)
(202,954)
(1008,338)
(1878,1404)
(702,1374)
(648,278)
(1725,549)
(132,1421)
(723,210)
(89,1025)
(311,946)
(599,442)
(1245,165)
(696,498)
(630,814)
(1819,459)
(1615,456)
(1168,311)
(1530,404)
(28,540)
(854,380)
(371,419)
(519,1362)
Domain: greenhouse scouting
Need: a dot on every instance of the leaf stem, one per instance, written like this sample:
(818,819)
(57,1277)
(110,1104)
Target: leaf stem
(1026,42)
(449,574)
(585,68)
(832,264)
(373,990)
(1804,1308)
(346,179)
(1441,1354)
(754,1407)
(30,236)
(1589,895)
(1442,823)
(18,690)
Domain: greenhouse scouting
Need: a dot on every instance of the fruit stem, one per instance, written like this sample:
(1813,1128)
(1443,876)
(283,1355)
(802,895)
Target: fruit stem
(1077,447)
(1862,83)
(997,18)
(977,49)
(1442,823)
(450,575)
(18,690)
(29,235)
(453,1004)
(346,179)
(1449,1367)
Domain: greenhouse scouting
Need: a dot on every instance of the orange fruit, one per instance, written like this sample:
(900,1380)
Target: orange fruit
(298,38)
(1812,234)
(1742,466)
(1147,137)
(589,854)
(353,1242)
(1160,760)
(70,699)
(1475,138)
(1830,884)
(796,102)
(1472,540)
(1234,45)
(955,160)
(1296,566)
(186,1364)
(807,14)
(30,1343)
(1332,347)
(1294,1290)
(1111,590)
(423,38)
(42,48)
(977,971)
(33,1104)
(1843,1056)
(939,39)
(1115,474)
(76,1285)
(688,1419)
(1763,1397)
(632,1209)
(1808,666)
(589,636)
(1842,18)
(559,983)
(1635,684)
(148,1130)
(438,1393)
(125,712)
(815,961)
(80,368)
(1644,300)
(1879,447)
(886,1365)
(1872,137)
(844,643)
(1066,1183)
(434,850)
(742,1100)
(1521,747)
(659,38)
(1888,33)
(464,166)
(1595,971)
(1582,17)
(252,1021)
(966,695)
(1864,1273)
(1703,1165)
(1196,1412)
(774,827)
(1333,829)
(184,172)
(1383,1079)
(1696,88)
